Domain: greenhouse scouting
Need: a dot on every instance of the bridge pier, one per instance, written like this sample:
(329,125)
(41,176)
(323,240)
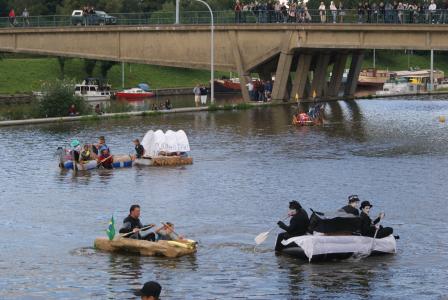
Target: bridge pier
(301,78)
(337,74)
(353,74)
(282,75)
(320,75)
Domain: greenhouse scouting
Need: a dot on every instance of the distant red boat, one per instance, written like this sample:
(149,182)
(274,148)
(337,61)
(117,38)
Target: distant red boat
(134,94)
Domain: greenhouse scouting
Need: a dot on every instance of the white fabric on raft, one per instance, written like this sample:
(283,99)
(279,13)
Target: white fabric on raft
(322,244)
(169,142)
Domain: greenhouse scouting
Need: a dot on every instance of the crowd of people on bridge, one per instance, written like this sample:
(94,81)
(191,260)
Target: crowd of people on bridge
(275,11)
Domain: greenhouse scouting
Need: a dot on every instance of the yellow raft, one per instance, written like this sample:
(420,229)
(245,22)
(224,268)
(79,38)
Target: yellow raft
(169,249)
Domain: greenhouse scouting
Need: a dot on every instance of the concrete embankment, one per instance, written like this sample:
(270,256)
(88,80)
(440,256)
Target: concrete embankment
(16,99)
(135,114)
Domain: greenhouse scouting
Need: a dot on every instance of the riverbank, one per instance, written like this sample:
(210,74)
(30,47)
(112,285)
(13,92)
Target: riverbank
(147,113)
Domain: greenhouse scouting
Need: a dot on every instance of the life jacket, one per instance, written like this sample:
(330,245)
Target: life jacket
(85,155)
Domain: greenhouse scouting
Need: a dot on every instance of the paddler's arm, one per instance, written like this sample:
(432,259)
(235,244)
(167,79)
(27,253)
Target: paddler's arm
(126,228)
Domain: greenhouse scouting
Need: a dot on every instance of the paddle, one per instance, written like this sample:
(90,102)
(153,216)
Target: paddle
(166,225)
(368,253)
(261,238)
(141,229)
(75,167)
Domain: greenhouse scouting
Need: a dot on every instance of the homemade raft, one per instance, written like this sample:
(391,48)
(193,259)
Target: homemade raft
(169,249)
(119,161)
(165,149)
(322,247)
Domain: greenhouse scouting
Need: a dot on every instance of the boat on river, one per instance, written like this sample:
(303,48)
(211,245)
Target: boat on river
(66,161)
(93,89)
(134,94)
(320,247)
(165,149)
(170,249)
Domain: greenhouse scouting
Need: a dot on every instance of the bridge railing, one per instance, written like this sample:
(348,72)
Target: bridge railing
(375,16)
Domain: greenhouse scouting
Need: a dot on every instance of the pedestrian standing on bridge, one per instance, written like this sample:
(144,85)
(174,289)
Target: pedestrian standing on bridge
(12,17)
(341,12)
(322,12)
(334,11)
(26,17)
(432,11)
(238,8)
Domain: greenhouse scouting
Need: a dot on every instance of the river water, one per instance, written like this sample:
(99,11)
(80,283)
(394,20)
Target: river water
(247,166)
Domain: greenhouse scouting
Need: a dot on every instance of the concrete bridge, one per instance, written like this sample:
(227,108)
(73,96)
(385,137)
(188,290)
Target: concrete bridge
(300,56)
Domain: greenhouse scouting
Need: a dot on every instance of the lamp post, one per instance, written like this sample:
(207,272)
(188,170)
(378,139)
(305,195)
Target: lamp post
(212,44)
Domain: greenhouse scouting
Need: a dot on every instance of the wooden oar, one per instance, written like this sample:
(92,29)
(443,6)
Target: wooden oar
(141,229)
(166,225)
(261,238)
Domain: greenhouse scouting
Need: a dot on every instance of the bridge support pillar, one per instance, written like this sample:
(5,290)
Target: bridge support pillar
(337,74)
(353,74)
(301,76)
(282,76)
(242,74)
(320,75)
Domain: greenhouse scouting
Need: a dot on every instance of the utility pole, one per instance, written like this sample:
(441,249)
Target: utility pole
(177,11)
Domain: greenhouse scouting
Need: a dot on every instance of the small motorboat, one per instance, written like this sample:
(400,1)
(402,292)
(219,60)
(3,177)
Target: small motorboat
(170,249)
(165,149)
(320,247)
(134,94)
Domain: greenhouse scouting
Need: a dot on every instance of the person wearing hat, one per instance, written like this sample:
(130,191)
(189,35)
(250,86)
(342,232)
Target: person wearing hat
(369,227)
(298,225)
(76,149)
(352,207)
(150,291)
(139,150)
(105,160)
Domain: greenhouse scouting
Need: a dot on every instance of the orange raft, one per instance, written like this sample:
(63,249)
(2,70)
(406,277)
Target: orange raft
(304,120)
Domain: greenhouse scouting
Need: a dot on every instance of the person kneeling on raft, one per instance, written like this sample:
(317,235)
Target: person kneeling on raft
(368,228)
(298,224)
(132,224)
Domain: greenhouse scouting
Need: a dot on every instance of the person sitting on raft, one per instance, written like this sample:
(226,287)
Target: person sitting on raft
(139,150)
(132,224)
(368,228)
(101,143)
(76,148)
(85,154)
(298,224)
(105,160)
(166,233)
(352,207)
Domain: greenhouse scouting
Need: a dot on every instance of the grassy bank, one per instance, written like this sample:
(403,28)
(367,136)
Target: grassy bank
(21,75)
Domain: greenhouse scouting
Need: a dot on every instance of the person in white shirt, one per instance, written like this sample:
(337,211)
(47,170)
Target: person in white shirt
(432,11)
(322,12)
(334,11)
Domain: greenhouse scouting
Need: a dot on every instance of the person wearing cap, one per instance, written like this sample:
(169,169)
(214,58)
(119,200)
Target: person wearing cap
(132,224)
(369,227)
(352,207)
(150,291)
(105,160)
(139,150)
(76,149)
(298,225)
(101,143)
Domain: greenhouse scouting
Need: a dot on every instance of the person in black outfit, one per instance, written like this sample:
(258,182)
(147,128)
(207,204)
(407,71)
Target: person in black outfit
(352,207)
(139,150)
(368,228)
(298,224)
(132,224)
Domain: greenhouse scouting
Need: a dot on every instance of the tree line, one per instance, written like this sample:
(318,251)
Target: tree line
(65,7)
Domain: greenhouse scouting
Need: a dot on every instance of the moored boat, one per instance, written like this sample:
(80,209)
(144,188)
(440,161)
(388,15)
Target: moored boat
(93,89)
(134,94)
(170,249)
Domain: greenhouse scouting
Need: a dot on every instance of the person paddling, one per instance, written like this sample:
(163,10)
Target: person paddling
(298,224)
(150,291)
(101,144)
(105,160)
(352,207)
(369,228)
(132,224)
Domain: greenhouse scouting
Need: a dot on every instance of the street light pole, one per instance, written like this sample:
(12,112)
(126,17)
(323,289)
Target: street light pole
(212,45)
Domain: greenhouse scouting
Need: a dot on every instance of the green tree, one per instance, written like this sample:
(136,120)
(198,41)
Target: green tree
(105,66)
(61,62)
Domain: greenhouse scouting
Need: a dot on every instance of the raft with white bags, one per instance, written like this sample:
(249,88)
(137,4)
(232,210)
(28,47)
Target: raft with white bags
(165,149)
(318,247)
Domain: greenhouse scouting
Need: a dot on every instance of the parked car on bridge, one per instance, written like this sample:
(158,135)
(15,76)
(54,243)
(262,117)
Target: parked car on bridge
(98,18)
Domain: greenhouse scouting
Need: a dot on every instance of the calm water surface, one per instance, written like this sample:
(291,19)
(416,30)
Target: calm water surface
(248,165)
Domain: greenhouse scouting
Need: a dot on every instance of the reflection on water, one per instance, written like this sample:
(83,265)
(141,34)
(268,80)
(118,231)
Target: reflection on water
(247,166)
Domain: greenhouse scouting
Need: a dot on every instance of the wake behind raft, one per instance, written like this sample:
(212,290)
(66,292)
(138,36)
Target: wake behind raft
(334,236)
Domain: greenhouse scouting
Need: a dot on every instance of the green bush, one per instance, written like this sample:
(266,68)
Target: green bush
(58,96)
